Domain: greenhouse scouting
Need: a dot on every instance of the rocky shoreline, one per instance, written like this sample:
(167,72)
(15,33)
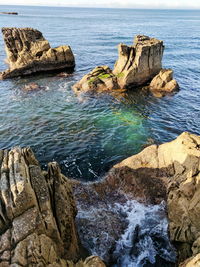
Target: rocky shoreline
(46,219)
(38,208)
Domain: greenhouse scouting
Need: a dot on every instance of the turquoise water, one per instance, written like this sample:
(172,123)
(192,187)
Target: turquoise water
(88,135)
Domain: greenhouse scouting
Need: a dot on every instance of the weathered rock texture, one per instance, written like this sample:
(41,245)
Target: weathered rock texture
(163,83)
(136,66)
(139,63)
(170,172)
(191,262)
(37,214)
(178,164)
(28,52)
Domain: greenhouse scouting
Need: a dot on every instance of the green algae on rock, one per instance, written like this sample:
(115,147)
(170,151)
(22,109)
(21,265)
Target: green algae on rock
(136,66)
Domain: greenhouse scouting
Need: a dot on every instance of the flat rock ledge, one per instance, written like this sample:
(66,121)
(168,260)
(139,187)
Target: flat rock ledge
(37,215)
(136,66)
(29,52)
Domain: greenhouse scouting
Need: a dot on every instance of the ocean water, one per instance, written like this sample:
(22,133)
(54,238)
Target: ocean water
(87,135)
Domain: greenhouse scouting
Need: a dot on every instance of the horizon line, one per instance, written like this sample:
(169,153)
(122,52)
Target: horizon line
(107,7)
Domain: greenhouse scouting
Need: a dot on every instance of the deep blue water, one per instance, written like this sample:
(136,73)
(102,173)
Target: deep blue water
(88,135)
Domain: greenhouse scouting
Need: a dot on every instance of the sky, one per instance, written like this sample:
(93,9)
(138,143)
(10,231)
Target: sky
(182,4)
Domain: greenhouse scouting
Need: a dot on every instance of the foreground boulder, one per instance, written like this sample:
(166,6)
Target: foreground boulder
(37,214)
(29,52)
(163,83)
(136,66)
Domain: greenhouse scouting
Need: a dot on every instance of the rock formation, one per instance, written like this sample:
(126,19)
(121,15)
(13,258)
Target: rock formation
(28,52)
(37,208)
(37,214)
(178,164)
(136,66)
(163,83)
(170,172)
(139,63)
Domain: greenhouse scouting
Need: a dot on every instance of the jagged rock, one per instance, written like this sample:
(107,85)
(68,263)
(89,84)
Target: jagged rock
(37,213)
(163,83)
(139,63)
(177,164)
(136,65)
(29,52)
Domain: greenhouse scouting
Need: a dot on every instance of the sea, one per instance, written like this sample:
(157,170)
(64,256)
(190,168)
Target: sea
(88,135)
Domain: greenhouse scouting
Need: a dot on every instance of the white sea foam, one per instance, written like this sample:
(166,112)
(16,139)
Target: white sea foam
(144,242)
(146,236)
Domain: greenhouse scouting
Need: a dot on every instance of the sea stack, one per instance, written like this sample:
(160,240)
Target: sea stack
(136,66)
(29,52)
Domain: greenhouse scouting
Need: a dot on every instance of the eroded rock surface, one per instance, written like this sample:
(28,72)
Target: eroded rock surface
(37,209)
(29,52)
(178,164)
(136,66)
(139,63)
(163,83)
(166,172)
(37,214)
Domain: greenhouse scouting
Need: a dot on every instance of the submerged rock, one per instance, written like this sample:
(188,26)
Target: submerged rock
(37,214)
(32,87)
(29,52)
(163,83)
(136,66)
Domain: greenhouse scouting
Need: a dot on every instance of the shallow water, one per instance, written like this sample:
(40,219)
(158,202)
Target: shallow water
(87,136)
